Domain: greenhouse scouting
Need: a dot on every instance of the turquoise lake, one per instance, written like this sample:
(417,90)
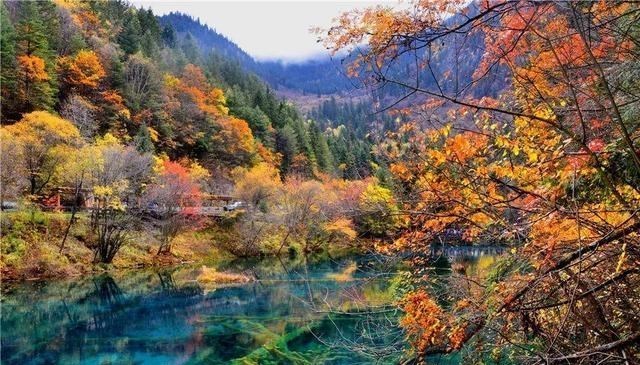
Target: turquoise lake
(296,312)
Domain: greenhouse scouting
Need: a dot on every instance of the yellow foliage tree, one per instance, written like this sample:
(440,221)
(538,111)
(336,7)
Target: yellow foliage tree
(378,213)
(257,184)
(43,140)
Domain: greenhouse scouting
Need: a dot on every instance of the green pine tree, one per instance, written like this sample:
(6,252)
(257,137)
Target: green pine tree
(321,150)
(129,37)
(143,141)
(304,142)
(31,40)
(8,64)
(287,145)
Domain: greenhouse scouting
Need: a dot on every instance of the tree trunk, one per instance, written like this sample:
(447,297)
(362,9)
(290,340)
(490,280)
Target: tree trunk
(73,215)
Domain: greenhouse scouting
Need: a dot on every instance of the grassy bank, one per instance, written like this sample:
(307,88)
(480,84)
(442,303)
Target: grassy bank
(30,247)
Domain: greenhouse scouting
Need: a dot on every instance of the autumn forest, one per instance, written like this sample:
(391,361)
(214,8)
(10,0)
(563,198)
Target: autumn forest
(447,182)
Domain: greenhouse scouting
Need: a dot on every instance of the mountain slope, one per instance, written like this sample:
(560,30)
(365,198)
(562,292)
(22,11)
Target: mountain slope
(207,39)
(325,76)
(317,76)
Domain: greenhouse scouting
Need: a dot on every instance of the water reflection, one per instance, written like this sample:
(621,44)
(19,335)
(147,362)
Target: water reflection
(329,312)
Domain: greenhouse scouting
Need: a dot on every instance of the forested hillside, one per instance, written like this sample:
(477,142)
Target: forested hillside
(171,84)
(315,76)
(137,128)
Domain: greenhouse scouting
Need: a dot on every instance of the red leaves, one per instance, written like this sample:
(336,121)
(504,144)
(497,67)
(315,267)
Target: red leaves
(596,145)
(175,189)
(177,177)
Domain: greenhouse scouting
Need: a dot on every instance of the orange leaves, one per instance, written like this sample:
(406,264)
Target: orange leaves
(114,100)
(382,24)
(175,196)
(557,233)
(267,155)
(210,100)
(113,97)
(83,70)
(212,103)
(193,83)
(549,166)
(237,136)
(423,320)
(176,174)
(437,157)
(192,76)
(32,68)
(232,139)
(457,337)
(465,145)
(401,171)
(448,173)
(383,29)
(551,58)
(428,325)
(84,17)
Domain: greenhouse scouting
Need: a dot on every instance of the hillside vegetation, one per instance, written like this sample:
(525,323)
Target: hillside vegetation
(132,123)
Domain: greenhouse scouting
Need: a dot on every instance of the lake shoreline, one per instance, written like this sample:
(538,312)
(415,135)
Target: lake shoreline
(42,260)
(34,252)
(213,256)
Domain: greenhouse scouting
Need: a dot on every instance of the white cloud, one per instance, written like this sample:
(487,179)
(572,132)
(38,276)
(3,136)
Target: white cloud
(265,29)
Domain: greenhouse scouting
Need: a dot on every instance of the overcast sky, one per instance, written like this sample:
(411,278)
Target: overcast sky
(265,29)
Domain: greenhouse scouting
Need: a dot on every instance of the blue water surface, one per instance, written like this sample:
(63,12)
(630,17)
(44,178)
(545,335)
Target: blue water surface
(296,312)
